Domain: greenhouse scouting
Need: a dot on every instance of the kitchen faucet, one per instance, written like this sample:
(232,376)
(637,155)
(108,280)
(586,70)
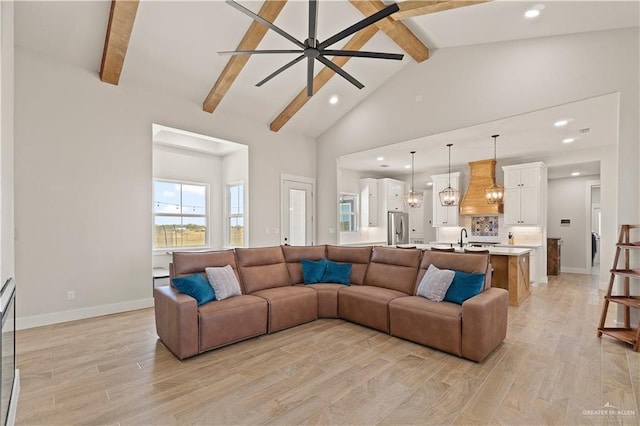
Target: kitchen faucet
(465,234)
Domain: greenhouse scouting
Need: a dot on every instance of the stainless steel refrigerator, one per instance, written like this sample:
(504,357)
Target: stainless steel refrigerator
(397,228)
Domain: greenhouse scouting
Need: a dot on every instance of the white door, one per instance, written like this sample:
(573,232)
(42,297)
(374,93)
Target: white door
(297,213)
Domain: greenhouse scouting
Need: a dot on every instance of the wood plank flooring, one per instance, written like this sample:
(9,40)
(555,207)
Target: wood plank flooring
(551,369)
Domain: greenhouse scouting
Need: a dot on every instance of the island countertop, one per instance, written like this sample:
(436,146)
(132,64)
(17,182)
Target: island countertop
(504,251)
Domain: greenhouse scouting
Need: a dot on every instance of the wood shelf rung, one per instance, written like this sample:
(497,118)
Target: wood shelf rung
(632,273)
(635,245)
(631,301)
(628,335)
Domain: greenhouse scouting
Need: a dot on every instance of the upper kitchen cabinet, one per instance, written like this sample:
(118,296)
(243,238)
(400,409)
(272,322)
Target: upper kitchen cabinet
(525,192)
(390,193)
(445,215)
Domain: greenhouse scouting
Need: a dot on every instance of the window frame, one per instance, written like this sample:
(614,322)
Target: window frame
(354,213)
(207,238)
(228,216)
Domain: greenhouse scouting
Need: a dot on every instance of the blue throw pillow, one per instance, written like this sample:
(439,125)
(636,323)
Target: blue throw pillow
(338,273)
(313,270)
(464,286)
(195,286)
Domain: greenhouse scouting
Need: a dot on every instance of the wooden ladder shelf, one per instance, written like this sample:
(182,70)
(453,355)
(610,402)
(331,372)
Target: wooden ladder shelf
(626,333)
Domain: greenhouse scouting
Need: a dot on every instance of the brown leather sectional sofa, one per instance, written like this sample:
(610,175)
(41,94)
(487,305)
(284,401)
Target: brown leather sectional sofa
(381,296)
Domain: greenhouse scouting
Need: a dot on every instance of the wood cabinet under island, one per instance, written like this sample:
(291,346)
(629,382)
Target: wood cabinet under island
(511,272)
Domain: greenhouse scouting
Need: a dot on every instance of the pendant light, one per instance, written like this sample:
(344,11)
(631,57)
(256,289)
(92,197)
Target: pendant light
(449,196)
(413,199)
(494,193)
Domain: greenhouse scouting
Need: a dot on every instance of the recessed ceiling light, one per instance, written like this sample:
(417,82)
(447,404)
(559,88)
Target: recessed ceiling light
(561,123)
(380,158)
(568,140)
(534,12)
(575,174)
(408,166)
(429,183)
(334,99)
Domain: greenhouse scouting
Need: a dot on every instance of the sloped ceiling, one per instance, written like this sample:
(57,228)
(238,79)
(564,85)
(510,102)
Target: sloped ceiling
(174,45)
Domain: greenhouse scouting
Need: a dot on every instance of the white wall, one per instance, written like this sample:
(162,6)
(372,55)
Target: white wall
(7,261)
(568,199)
(477,84)
(83,160)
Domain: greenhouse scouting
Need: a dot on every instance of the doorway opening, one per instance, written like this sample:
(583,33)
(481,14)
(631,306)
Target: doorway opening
(297,210)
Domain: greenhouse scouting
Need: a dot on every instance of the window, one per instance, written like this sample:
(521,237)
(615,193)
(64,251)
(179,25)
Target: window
(235,214)
(348,212)
(180,214)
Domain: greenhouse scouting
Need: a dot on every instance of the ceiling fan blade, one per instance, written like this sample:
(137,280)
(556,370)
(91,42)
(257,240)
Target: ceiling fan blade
(313,23)
(264,22)
(363,54)
(340,71)
(392,8)
(253,52)
(279,70)
(310,62)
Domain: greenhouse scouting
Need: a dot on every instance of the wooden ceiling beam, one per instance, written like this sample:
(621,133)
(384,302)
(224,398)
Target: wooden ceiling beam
(355,43)
(254,35)
(398,31)
(121,18)
(410,9)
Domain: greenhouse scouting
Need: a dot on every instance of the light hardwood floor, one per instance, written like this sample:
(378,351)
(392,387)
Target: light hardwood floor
(551,369)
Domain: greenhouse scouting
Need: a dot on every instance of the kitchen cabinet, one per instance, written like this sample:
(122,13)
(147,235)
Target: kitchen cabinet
(445,215)
(416,225)
(369,202)
(553,256)
(512,274)
(525,194)
(390,196)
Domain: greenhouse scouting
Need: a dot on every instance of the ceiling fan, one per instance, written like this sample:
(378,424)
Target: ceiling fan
(313,49)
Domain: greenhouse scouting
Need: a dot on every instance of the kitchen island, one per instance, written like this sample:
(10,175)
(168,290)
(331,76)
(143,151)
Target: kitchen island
(510,268)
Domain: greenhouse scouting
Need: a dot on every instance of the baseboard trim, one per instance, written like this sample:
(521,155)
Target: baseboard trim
(575,270)
(78,314)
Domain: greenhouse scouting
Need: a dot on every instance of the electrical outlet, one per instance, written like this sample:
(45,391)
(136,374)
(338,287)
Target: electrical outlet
(71,295)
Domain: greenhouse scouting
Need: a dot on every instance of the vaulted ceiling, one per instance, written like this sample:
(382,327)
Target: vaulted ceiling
(171,46)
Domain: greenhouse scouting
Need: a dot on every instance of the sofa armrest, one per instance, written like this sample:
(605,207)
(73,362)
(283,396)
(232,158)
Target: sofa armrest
(484,323)
(176,321)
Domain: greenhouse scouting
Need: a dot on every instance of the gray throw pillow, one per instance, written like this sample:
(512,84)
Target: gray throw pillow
(434,284)
(224,281)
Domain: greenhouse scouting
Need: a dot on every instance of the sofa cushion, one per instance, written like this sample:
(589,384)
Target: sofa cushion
(289,306)
(434,324)
(435,283)
(464,286)
(294,254)
(367,305)
(196,286)
(393,268)
(224,281)
(358,257)
(338,273)
(312,270)
(262,268)
(191,262)
(472,263)
(227,321)
(327,295)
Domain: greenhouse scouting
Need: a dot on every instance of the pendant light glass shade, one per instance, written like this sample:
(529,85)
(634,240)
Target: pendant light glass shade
(413,199)
(494,193)
(449,196)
